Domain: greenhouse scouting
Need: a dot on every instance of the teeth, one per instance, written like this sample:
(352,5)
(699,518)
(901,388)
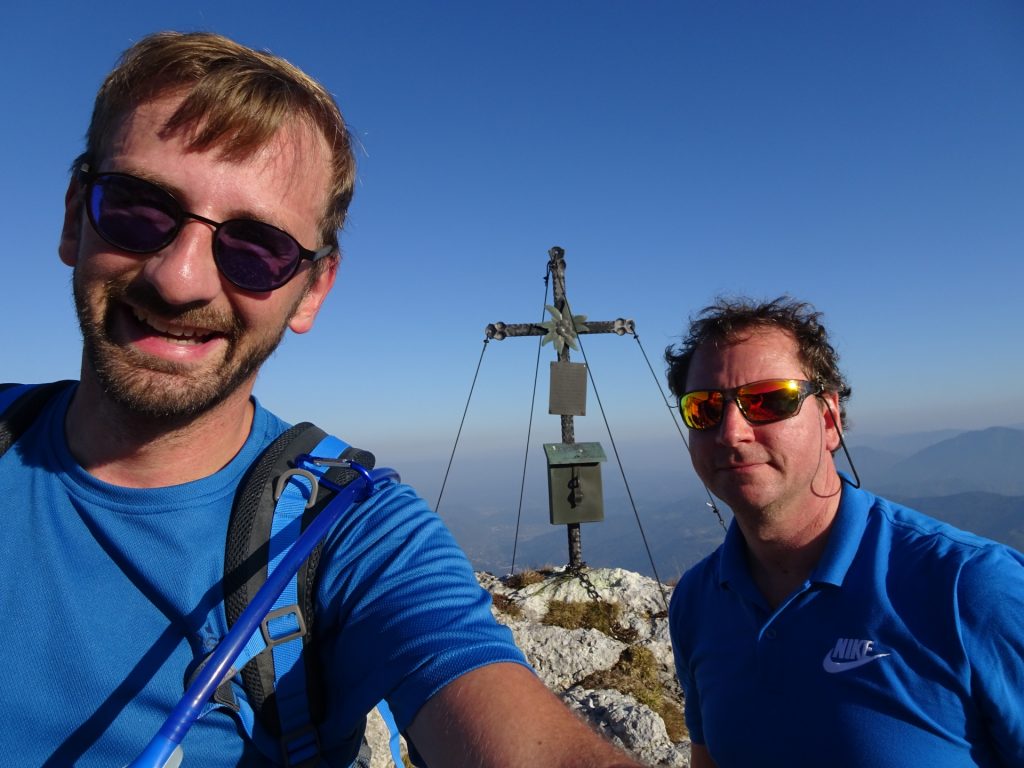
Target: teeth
(179,331)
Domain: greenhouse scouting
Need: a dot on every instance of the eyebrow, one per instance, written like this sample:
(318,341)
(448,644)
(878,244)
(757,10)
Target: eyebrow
(179,194)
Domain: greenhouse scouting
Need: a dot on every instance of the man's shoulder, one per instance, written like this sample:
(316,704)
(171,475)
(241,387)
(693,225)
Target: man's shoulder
(23,407)
(267,426)
(707,567)
(914,531)
(13,392)
(697,580)
(915,524)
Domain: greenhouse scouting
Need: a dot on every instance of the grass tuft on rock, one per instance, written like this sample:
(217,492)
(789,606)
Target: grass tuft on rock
(636,674)
(588,615)
(524,579)
(504,604)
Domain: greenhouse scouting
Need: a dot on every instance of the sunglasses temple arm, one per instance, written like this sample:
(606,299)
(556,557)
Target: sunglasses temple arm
(842,442)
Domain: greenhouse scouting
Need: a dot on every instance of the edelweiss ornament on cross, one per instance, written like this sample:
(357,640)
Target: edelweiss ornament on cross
(562,330)
(580,498)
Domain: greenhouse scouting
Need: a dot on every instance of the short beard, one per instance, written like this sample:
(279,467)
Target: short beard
(160,389)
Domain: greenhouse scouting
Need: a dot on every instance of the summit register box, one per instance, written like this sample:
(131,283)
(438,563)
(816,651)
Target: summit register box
(574,482)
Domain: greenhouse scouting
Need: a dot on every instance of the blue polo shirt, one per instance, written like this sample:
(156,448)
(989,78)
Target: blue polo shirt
(904,647)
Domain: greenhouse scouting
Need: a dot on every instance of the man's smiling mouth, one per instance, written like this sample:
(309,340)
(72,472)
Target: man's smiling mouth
(174,332)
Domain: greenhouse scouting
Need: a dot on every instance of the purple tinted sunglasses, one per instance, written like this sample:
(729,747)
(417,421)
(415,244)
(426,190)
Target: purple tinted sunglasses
(138,216)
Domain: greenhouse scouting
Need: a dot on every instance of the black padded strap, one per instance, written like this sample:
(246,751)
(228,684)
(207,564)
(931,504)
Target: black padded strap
(246,558)
(23,411)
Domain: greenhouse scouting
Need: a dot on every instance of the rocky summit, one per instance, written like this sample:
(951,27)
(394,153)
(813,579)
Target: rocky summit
(598,639)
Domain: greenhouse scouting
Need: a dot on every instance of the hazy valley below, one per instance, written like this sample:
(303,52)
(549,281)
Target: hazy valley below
(972,479)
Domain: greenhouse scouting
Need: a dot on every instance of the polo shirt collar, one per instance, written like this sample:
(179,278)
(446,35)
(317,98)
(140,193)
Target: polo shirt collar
(733,565)
(733,572)
(844,538)
(843,541)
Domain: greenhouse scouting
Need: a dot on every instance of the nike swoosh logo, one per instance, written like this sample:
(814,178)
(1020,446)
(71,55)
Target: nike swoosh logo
(841,666)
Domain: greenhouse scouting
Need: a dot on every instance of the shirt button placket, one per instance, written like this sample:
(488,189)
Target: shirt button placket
(770,662)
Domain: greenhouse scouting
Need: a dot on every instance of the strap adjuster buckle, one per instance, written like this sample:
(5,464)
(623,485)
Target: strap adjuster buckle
(292,634)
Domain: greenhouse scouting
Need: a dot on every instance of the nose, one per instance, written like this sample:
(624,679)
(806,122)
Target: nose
(184,272)
(733,428)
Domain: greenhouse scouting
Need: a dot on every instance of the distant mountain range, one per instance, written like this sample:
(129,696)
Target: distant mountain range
(990,460)
(971,479)
(987,514)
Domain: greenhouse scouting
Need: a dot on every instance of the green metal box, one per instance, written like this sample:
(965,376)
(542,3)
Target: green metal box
(574,482)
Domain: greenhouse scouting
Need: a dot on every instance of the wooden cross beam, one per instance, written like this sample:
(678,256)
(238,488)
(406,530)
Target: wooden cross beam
(561,330)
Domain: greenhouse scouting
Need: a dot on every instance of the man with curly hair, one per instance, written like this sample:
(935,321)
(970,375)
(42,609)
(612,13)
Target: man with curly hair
(832,627)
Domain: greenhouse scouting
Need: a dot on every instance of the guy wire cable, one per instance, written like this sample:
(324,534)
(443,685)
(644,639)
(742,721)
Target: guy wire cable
(529,428)
(465,410)
(672,413)
(618,460)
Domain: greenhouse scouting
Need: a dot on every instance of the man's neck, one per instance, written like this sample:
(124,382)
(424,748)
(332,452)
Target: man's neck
(135,451)
(784,550)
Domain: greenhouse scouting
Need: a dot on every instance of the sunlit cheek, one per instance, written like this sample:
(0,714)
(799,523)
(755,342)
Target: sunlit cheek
(99,264)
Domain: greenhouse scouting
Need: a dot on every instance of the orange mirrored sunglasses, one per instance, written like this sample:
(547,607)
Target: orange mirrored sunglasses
(760,402)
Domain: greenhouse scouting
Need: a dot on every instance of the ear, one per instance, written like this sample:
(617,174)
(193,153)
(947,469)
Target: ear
(309,305)
(833,420)
(71,233)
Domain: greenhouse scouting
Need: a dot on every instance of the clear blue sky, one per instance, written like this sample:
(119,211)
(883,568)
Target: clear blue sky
(865,156)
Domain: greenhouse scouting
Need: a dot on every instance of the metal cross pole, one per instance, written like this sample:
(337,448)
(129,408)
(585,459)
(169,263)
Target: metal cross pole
(561,330)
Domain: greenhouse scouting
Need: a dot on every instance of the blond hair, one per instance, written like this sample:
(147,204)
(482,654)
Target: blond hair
(234,98)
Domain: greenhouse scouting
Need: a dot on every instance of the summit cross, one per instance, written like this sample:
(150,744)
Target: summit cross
(562,331)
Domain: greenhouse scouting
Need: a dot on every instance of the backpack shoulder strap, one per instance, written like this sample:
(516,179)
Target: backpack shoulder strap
(283,683)
(20,404)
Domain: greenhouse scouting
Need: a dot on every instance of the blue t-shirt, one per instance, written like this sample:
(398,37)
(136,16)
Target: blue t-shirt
(905,647)
(110,594)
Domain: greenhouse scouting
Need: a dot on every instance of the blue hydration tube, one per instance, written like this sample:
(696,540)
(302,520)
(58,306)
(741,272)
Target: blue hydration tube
(164,750)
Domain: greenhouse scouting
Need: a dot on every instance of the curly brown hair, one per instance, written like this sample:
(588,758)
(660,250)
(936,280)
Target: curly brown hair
(728,318)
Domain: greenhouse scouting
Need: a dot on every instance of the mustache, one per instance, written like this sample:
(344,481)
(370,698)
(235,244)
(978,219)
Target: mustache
(145,298)
(733,458)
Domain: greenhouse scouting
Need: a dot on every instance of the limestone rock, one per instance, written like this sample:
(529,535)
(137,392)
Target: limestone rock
(630,724)
(564,658)
(378,736)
